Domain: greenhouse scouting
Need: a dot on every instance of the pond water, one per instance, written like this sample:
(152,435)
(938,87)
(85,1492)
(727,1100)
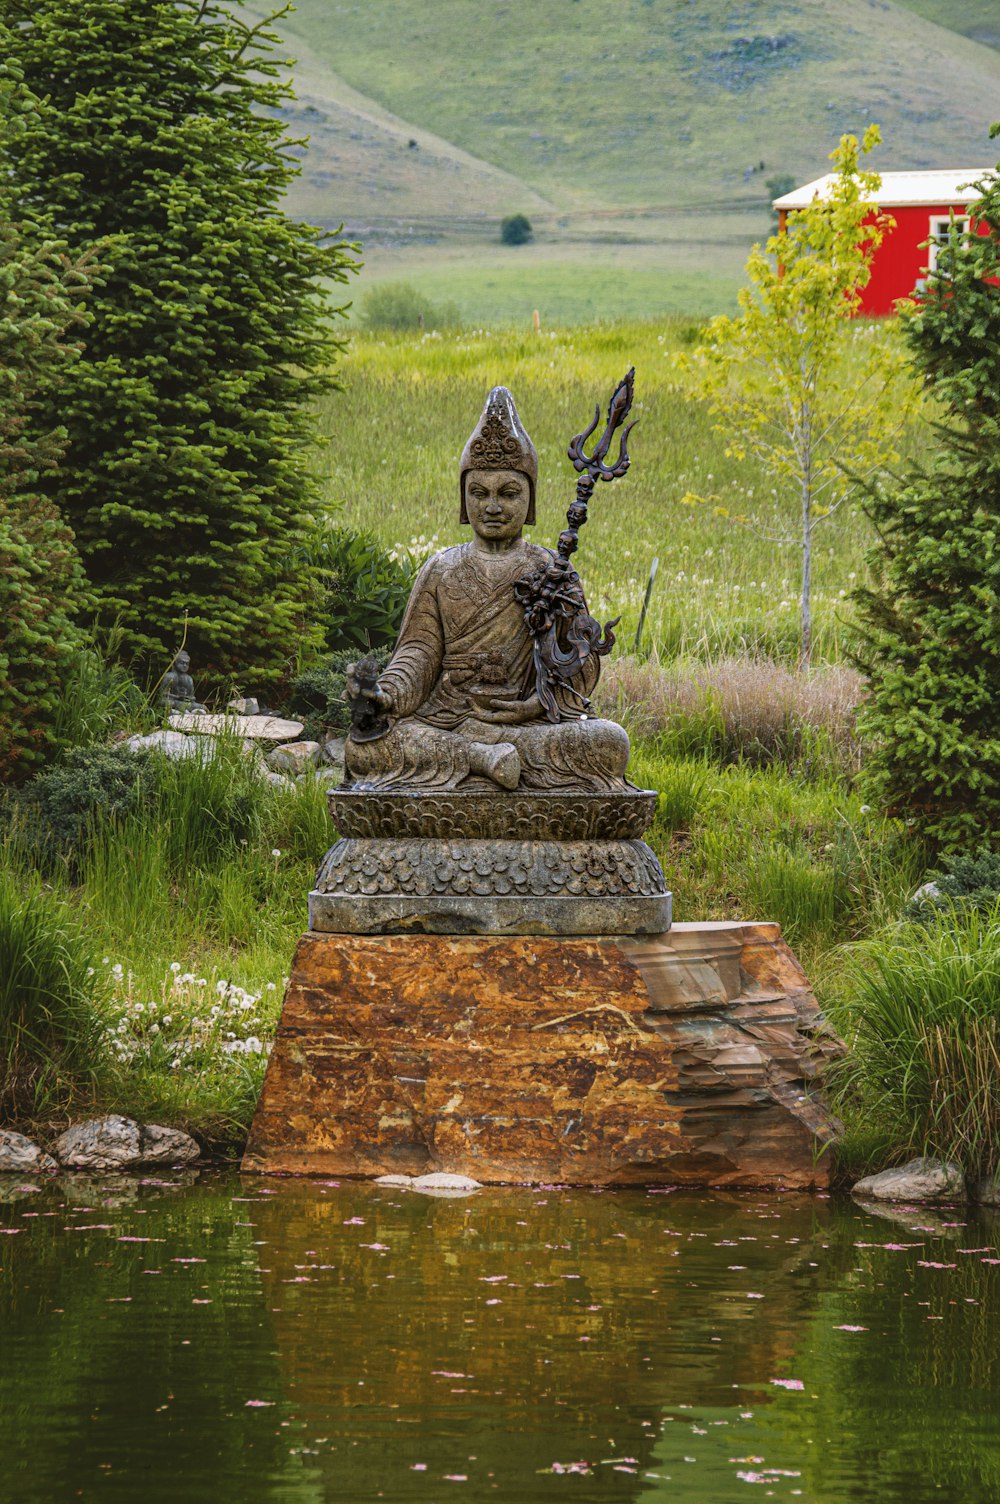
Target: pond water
(222,1339)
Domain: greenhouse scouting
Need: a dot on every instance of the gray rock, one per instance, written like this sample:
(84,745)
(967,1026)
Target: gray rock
(294,757)
(172,744)
(441,1184)
(918,1180)
(987,1191)
(244,707)
(109,1143)
(279,780)
(926,893)
(19,1155)
(396,1180)
(330,778)
(264,728)
(333,752)
(119,1143)
(167,1146)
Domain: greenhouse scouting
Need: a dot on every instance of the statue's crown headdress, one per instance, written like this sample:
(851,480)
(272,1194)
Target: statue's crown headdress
(499,442)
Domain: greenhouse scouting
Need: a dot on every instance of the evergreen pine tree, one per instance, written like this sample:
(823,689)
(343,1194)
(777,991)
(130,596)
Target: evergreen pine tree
(931,619)
(42,585)
(186,478)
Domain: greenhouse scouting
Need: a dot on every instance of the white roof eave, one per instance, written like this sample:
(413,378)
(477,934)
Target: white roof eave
(900,189)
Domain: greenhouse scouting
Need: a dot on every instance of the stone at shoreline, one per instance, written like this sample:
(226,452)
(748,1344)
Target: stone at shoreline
(263,728)
(403,1181)
(295,758)
(243,707)
(167,1146)
(442,1184)
(918,1180)
(19,1154)
(117,1143)
(108,1143)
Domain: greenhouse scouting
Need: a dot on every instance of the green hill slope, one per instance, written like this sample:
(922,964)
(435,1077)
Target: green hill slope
(638,137)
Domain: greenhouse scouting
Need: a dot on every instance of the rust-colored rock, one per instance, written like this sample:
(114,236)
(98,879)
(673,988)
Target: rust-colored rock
(685,1058)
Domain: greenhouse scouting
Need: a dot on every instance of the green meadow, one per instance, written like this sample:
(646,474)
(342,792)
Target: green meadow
(395,433)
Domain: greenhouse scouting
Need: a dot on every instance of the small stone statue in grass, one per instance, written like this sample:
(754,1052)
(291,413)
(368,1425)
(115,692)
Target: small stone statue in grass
(177,686)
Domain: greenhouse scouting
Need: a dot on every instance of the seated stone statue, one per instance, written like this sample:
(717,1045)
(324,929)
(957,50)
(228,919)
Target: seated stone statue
(177,686)
(458,695)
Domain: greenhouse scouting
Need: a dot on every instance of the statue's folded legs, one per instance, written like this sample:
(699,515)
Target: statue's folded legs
(588,754)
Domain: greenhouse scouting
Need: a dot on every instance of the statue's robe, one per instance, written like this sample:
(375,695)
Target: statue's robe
(464,634)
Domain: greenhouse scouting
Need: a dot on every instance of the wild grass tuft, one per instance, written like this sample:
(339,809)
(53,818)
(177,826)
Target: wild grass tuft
(50,1000)
(920,1008)
(741,710)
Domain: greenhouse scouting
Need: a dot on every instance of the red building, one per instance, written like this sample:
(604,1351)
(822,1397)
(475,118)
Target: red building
(921,203)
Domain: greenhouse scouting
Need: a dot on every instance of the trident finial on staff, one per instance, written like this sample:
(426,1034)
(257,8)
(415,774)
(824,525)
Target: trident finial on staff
(592,467)
(564,633)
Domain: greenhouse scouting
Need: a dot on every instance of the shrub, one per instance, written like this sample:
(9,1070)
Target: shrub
(50,1030)
(204,806)
(55,813)
(920,1008)
(968,880)
(931,619)
(516,229)
(399,305)
(363,587)
(186,477)
(41,579)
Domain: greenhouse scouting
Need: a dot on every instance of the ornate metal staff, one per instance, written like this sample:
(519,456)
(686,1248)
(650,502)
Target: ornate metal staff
(552,596)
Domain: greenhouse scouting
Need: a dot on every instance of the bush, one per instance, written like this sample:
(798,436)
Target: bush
(50,1030)
(363,587)
(55,813)
(921,1010)
(186,475)
(931,620)
(41,589)
(204,806)
(317,695)
(970,880)
(516,229)
(41,578)
(399,305)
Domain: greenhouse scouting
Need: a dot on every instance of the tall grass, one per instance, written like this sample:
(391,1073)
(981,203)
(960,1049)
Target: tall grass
(744,842)
(50,997)
(920,1008)
(740,709)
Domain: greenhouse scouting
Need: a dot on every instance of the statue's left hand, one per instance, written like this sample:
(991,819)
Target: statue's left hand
(499,711)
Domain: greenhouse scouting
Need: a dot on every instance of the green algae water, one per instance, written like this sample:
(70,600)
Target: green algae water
(219,1338)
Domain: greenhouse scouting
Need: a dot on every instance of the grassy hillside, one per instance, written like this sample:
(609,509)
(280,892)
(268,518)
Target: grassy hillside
(638,137)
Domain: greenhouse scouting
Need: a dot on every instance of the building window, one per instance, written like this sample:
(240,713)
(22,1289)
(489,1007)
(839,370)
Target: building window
(940,230)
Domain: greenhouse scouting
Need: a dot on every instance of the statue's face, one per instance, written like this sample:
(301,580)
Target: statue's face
(182,663)
(497,503)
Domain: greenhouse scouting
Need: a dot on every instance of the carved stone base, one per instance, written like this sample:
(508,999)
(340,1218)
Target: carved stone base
(685,1058)
(374,886)
(457,914)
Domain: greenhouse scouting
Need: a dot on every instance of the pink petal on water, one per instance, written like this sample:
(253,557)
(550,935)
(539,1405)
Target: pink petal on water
(788,1383)
(258,1404)
(850,1329)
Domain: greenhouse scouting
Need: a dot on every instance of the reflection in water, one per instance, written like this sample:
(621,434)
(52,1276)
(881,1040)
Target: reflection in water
(292,1341)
